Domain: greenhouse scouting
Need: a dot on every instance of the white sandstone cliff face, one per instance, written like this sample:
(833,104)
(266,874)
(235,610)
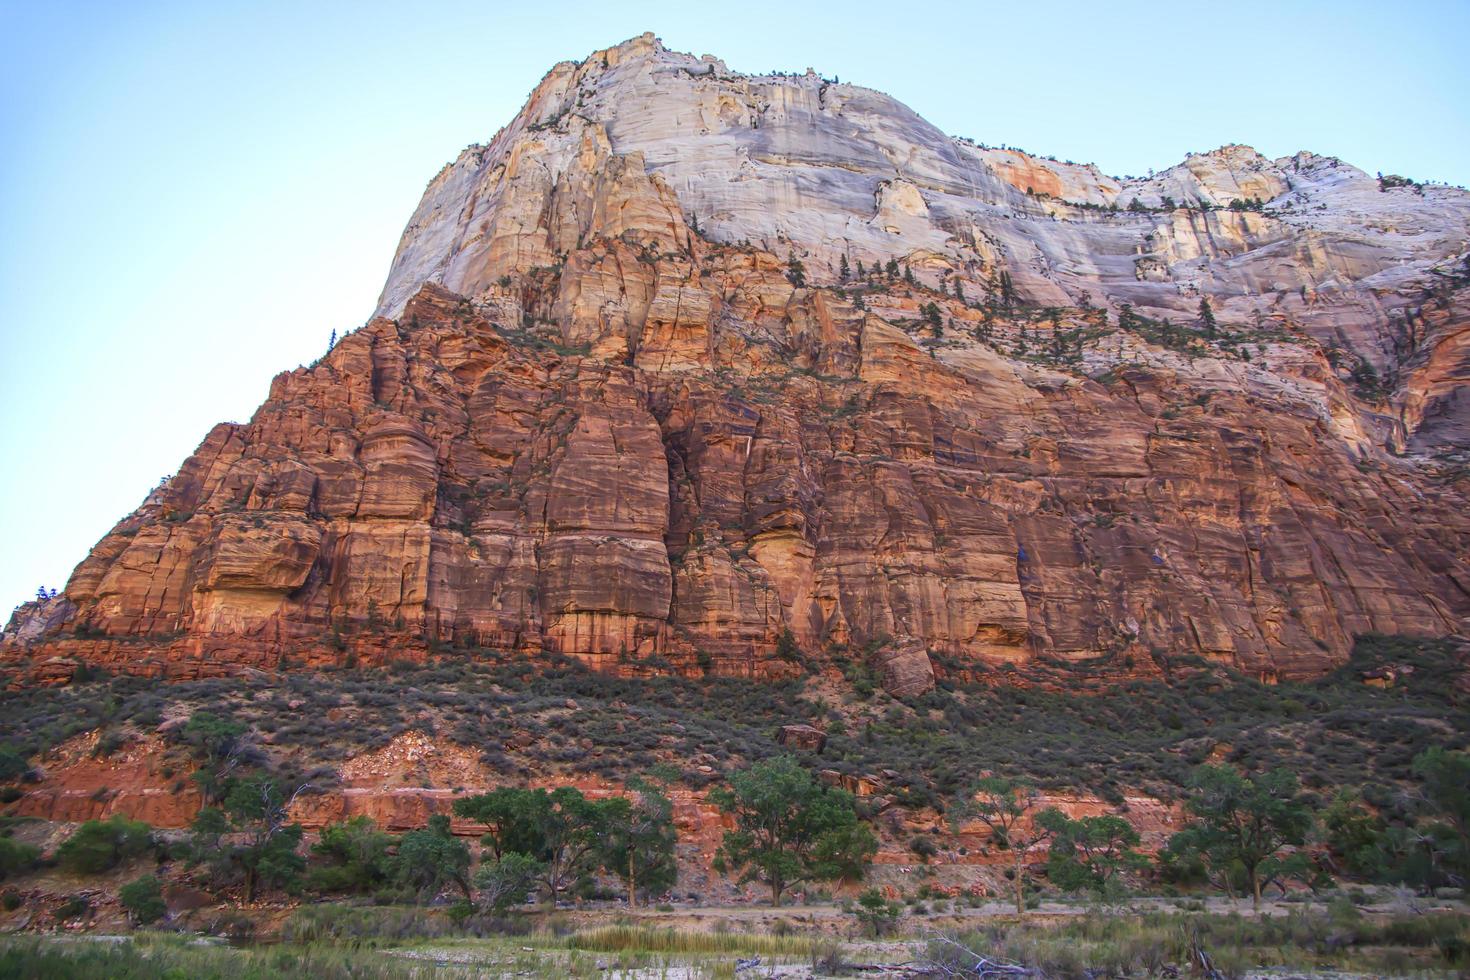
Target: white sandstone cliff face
(637,140)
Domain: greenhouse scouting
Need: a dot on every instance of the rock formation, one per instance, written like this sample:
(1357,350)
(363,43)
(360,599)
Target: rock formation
(683,360)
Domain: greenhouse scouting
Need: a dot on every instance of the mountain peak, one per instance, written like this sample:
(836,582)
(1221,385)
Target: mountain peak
(685,362)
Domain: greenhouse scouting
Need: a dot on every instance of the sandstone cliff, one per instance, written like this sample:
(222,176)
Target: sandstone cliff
(621,401)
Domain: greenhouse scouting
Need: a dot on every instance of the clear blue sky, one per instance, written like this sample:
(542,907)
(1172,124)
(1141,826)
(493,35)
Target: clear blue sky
(193,196)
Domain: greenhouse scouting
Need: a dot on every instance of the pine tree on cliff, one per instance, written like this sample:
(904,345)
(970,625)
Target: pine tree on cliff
(1207,318)
(844,271)
(795,271)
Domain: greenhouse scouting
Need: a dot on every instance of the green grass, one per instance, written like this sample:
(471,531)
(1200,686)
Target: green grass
(165,957)
(1152,944)
(618,938)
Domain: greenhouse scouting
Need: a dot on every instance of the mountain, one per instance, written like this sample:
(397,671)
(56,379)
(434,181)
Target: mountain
(687,370)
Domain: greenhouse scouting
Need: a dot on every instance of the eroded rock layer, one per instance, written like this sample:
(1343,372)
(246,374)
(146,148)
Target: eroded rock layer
(685,361)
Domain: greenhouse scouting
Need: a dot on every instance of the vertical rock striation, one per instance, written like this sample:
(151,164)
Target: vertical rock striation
(620,401)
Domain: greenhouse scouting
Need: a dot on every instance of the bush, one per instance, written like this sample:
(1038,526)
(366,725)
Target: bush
(12,764)
(875,914)
(101,845)
(143,899)
(16,858)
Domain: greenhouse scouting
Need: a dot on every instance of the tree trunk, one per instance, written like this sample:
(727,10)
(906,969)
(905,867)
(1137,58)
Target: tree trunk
(632,883)
(1020,882)
(1255,890)
(776,890)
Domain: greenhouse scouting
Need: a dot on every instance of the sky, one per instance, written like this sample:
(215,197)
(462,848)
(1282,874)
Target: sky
(193,196)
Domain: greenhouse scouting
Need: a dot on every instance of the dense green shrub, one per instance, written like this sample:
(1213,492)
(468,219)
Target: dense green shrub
(101,845)
(143,899)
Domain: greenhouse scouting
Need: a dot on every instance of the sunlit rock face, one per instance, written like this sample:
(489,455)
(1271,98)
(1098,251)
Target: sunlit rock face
(622,402)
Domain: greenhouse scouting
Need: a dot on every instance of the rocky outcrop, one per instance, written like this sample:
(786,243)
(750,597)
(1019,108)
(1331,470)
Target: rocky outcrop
(620,404)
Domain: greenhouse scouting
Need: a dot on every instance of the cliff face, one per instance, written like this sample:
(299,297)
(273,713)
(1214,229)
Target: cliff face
(621,401)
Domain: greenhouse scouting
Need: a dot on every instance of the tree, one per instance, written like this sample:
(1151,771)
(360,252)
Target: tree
(959,290)
(787,648)
(1207,318)
(12,764)
(891,269)
(561,830)
(573,831)
(638,842)
(875,914)
(1090,852)
(1243,821)
(795,271)
(432,858)
(844,271)
(262,848)
(789,829)
(932,316)
(508,880)
(1355,837)
(143,899)
(514,817)
(101,845)
(353,857)
(1009,809)
(1445,792)
(221,747)
(332,341)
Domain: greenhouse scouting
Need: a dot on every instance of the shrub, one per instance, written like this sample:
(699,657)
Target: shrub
(143,899)
(101,845)
(16,858)
(875,914)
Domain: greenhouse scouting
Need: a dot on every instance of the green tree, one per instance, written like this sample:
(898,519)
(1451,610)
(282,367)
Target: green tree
(787,648)
(573,831)
(1207,318)
(638,841)
(1091,852)
(876,915)
(1445,793)
(562,830)
(844,271)
(795,271)
(143,899)
(1011,810)
(1355,837)
(789,829)
(432,858)
(12,764)
(1244,821)
(351,857)
(219,745)
(262,844)
(514,818)
(101,845)
(507,880)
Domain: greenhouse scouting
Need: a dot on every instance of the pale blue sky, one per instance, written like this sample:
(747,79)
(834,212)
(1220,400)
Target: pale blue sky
(193,196)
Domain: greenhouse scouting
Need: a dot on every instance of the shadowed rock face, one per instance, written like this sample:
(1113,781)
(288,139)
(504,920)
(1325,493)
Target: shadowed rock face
(599,413)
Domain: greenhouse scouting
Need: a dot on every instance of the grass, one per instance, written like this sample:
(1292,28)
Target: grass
(1153,944)
(619,938)
(155,956)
